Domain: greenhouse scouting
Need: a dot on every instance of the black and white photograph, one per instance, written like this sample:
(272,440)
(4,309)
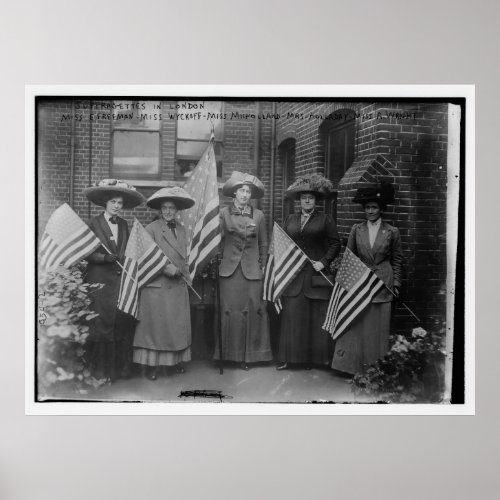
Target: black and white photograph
(208,250)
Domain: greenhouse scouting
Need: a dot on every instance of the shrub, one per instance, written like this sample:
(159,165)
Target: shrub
(411,372)
(63,309)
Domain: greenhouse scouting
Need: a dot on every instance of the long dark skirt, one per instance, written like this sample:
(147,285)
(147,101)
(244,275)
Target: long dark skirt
(365,341)
(302,340)
(245,324)
(108,359)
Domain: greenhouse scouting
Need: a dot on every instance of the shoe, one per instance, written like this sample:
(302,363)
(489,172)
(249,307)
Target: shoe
(180,369)
(284,366)
(151,373)
(244,366)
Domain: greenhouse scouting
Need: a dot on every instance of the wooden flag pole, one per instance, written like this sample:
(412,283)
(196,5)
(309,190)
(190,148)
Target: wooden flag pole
(403,304)
(118,262)
(219,315)
(192,288)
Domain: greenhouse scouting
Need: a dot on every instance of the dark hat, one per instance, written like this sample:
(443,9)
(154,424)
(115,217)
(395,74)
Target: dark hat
(239,179)
(382,192)
(106,189)
(176,194)
(315,184)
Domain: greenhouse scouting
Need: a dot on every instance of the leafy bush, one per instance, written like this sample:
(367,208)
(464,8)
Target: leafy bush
(411,372)
(63,309)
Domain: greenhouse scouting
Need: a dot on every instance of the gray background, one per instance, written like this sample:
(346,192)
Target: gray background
(247,457)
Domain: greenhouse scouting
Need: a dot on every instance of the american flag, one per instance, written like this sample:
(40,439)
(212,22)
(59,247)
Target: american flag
(201,221)
(143,260)
(355,285)
(285,260)
(66,239)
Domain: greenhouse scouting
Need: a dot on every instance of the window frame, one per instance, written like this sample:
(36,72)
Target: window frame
(136,176)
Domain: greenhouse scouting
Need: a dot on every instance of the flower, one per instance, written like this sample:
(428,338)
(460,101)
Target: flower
(63,374)
(62,331)
(418,332)
(114,182)
(399,347)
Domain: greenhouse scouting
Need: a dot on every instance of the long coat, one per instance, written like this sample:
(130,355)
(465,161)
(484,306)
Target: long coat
(104,301)
(367,338)
(320,241)
(385,259)
(164,312)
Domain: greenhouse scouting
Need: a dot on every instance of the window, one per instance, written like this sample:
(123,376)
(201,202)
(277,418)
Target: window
(286,155)
(193,135)
(338,147)
(136,139)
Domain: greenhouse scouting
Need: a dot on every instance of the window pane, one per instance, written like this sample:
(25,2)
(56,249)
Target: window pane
(135,153)
(137,114)
(189,154)
(200,129)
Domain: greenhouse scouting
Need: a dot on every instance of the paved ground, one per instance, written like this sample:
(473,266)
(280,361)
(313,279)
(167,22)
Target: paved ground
(260,384)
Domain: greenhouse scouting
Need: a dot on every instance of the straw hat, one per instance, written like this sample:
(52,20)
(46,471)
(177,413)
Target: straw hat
(106,189)
(239,179)
(176,194)
(315,184)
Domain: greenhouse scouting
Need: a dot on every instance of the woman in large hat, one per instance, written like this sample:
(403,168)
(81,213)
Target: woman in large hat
(109,345)
(378,245)
(303,342)
(245,324)
(163,334)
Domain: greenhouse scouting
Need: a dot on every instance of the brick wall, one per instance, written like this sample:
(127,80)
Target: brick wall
(406,141)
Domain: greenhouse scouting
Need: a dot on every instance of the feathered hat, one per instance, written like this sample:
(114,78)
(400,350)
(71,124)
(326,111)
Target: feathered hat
(104,190)
(316,184)
(381,192)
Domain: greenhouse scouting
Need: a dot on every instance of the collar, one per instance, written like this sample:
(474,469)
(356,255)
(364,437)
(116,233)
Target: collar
(107,216)
(246,210)
(312,213)
(374,224)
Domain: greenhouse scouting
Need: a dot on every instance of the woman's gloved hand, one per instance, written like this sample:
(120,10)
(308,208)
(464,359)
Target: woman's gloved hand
(109,258)
(171,271)
(318,266)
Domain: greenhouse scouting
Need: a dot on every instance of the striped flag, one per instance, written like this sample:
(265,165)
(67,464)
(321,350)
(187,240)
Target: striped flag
(355,285)
(66,239)
(143,260)
(201,221)
(285,260)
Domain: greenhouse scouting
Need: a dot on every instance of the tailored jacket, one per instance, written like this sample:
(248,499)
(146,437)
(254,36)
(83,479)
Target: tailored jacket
(244,241)
(107,273)
(320,241)
(385,259)
(175,250)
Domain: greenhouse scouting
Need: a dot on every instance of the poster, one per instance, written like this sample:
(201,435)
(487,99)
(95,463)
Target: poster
(154,137)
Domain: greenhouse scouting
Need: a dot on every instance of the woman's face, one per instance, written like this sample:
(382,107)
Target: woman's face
(373,211)
(168,210)
(243,195)
(114,206)
(307,201)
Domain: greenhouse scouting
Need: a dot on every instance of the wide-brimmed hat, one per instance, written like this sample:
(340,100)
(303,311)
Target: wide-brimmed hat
(176,194)
(106,189)
(382,193)
(239,179)
(315,184)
